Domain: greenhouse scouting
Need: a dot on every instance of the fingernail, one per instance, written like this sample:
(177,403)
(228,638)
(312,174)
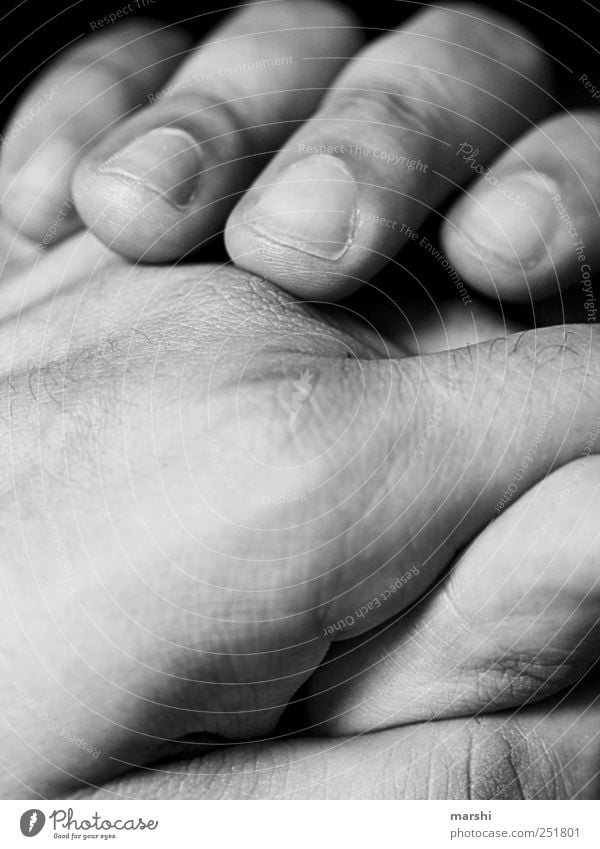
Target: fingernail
(167,161)
(311,207)
(514,219)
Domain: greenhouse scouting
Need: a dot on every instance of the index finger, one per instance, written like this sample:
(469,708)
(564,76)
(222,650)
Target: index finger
(355,182)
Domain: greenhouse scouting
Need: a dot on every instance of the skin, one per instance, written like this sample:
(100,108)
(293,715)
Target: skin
(457,97)
(127,407)
(137,588)
(480,115)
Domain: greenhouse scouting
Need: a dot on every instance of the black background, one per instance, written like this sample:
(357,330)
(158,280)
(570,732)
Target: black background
(31,31)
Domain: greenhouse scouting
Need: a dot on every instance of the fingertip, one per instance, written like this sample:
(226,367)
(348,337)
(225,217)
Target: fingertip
(302,275)
(500,237)
(297,228)
(124,217)
(36,199)
(137,200)
(477,268)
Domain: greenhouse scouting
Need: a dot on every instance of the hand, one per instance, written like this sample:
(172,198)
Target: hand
(90,91)
(425,735)
(557,735)
(547,751)
(206,475)
(452,95)
(515,621)
(394,133)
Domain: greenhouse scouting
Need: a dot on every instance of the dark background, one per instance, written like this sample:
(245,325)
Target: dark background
(32,31)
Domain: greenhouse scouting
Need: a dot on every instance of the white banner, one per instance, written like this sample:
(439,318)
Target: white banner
(301,825)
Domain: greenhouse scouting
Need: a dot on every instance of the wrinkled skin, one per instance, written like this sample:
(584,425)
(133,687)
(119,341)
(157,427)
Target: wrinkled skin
(176,549)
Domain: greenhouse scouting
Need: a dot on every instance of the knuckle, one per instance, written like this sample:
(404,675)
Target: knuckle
(566,505)
(224,115)
(99,71)
(87,77)
(383,104)
(516,678)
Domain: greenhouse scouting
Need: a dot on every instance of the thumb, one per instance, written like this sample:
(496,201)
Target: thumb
(448,435)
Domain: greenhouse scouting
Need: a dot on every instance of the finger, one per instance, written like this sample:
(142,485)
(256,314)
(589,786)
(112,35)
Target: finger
(549,751)
(286,563)
(356,181)
(88,89)
(16,250)
(516,620)
(72,262)
(418,448)
(527,228)
(163,182)
(438,456)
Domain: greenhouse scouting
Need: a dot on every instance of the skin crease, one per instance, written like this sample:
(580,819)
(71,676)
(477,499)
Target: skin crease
(141,557)
(413,95)
(128,401)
